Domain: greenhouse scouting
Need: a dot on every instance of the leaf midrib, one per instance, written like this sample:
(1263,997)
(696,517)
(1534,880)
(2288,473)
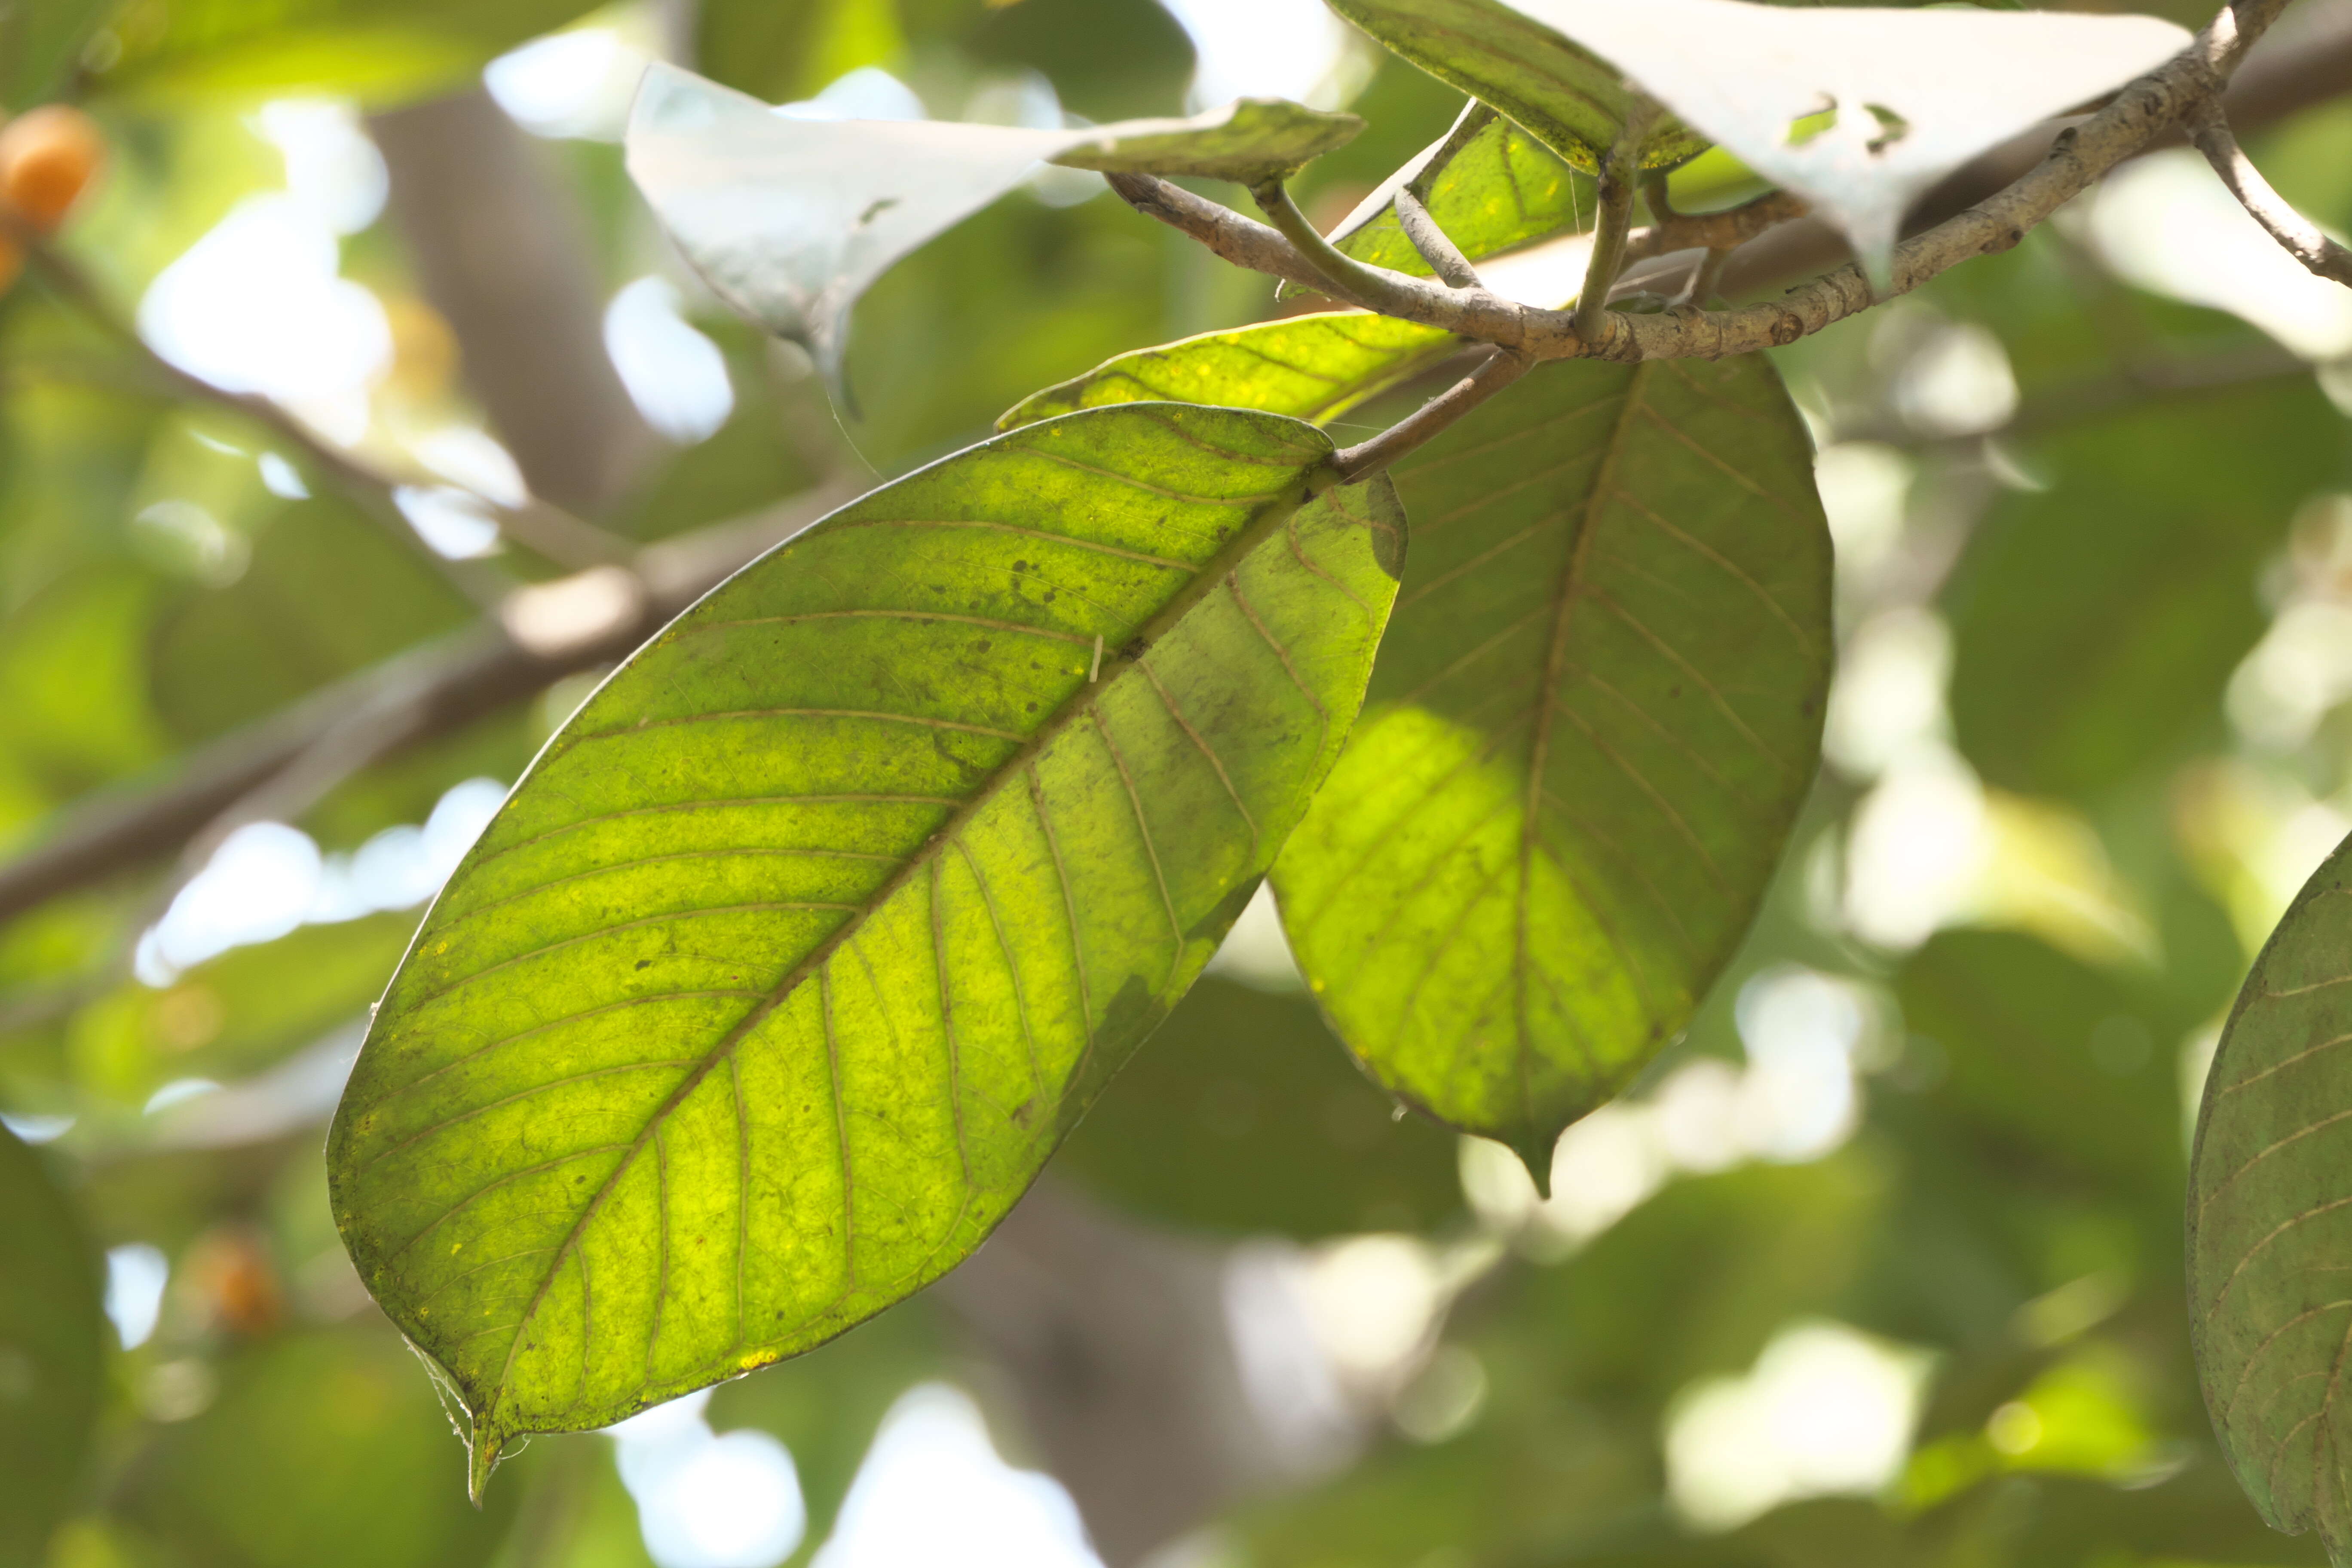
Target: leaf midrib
(1078,706)
(1565,596)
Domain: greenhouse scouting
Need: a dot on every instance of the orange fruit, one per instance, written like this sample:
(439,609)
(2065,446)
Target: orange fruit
(48,157)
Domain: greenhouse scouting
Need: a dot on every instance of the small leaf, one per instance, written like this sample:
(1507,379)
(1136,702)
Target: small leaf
(1573,102)
(803,943)
(791,219)
(52,1352)
(1598,711)
(1916,93)
(1310,367)
(1489,186)
(2270,1216)
(1249,140)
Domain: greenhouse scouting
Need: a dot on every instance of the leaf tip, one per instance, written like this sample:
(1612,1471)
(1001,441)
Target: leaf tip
(484,1446)
(1534,1150)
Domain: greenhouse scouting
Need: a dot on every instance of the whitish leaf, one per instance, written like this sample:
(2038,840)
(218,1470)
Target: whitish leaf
(1573,102)
(1916,93)
(1489,186)
(1596,715)
(1310,367)
(2270,1218)
(791,219)
(806,940)
(52,1354)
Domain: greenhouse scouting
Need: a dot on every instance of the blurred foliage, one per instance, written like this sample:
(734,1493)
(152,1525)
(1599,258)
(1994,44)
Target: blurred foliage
(2149,620)
(2009,1206)
(1243,1112)
(52,1357)
(381,51)
(320,1446)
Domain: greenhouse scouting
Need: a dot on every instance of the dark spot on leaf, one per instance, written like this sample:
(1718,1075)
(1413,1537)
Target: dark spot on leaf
(645,963)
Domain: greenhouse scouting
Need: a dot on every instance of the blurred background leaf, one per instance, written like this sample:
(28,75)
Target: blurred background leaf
(52,1352)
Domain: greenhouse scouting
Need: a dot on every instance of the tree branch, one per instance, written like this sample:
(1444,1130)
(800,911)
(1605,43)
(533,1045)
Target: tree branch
(2076,159)
(1713,231)
(545,529)
(2305,61)
(1612,217)
(1443,258)
(2296,235)
(1368,458)
(433,690)
(1373,287)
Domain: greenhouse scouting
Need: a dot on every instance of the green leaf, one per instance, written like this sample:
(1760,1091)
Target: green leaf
(322,1446)
(1242,1114)
(1488,183)
(1916,93)
(1310,367)
(2134,571)
(1573,102)
(2270,1200)
(2027,1036)
(41,40)
(1591,730)
(813,932)
(52,1354)
(380,53)
(1247,140)
(791,219)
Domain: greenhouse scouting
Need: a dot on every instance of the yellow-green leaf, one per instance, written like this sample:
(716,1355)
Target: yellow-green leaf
(1310,367)
(1568,98)
(1595,718)
(801,945)
(1486,184)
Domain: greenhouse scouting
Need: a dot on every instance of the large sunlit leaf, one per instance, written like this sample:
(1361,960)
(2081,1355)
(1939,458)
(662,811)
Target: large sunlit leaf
(1310,367)
(790,219)
(1597,713)
(2270,1216)
(1488,183)
(1575,103)
(1916,93)
(52,1354)
(812,934)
